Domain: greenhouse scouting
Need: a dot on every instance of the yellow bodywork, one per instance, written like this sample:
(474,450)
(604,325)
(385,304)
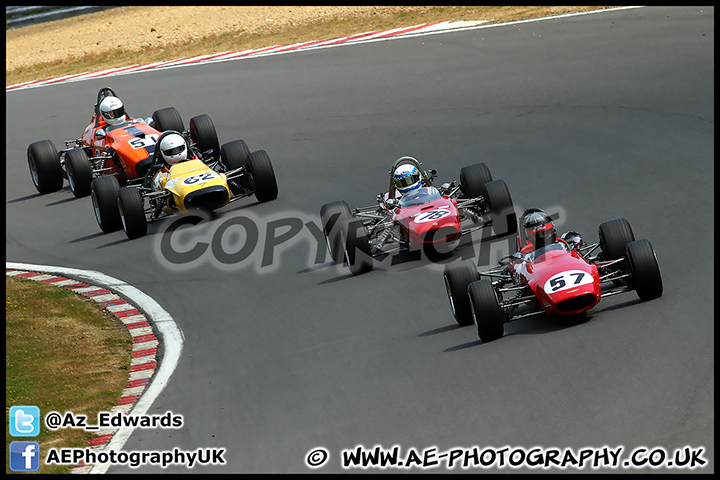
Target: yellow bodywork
(190,177)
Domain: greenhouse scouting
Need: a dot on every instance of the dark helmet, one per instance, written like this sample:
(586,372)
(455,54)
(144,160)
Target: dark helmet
(539,229)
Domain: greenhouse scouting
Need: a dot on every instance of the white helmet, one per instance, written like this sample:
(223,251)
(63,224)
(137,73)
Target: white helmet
(112,110)
(407,178)
(173,148)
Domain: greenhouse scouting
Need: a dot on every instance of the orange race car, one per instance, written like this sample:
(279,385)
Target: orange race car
(113,144)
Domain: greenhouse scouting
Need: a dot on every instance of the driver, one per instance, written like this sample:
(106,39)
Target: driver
(407,178)
(112,111)
(539,231)
(173,150)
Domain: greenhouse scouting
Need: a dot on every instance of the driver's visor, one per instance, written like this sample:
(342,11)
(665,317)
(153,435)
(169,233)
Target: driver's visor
(117,113)
(539,228)
(407,180)
(174,151)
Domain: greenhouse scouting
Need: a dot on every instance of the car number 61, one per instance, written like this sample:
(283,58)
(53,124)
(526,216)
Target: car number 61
(567,279)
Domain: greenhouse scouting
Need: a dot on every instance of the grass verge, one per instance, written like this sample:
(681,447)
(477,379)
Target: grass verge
(63,352)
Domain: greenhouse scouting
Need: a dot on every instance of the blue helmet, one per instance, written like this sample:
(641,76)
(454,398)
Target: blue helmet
(407,178)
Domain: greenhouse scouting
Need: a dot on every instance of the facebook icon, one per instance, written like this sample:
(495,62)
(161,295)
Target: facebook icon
(24,456)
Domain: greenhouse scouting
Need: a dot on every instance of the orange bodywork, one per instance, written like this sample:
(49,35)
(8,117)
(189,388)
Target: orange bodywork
(133,142)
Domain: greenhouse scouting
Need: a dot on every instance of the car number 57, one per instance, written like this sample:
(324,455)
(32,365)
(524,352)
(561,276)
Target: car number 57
(567,279)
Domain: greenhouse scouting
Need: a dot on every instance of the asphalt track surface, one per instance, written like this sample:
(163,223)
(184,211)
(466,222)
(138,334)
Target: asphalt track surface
(592,117)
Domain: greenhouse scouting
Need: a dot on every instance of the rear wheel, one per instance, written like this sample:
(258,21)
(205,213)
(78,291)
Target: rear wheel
(502,212)
(646,279)
(488,317)
(263,176)
(132,212)
(167,119)
(104,194)
(79,172)
(473,179)
(203,133)
(357,246)
(45,169)
(457,277)
(331,216)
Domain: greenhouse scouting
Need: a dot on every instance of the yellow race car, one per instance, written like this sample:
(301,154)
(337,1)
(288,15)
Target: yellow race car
(198,182)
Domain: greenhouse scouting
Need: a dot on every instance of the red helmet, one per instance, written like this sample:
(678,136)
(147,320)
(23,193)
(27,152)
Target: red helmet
(539,229)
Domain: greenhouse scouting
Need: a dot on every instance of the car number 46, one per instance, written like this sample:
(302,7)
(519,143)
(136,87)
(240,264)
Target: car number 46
(567,279)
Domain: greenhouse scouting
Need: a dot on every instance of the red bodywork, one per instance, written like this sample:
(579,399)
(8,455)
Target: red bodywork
(562,281)
(133,142)
(433,223)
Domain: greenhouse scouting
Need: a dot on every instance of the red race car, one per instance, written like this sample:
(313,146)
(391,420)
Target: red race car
(113,144)
(414,215)
(550,275)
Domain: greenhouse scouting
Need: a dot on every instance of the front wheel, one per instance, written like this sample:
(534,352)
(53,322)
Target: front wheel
(104,193)
(263,176)
(457,277)
(331,217)
(132,212)
(79,172)
(45,169)
(356,241)
(487,316)
(646,279)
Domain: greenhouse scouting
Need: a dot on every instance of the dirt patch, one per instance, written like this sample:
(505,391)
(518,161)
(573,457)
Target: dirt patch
(138,28)
(129,35)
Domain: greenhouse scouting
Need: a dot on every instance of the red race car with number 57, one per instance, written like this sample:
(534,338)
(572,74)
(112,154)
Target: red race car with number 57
(550,275)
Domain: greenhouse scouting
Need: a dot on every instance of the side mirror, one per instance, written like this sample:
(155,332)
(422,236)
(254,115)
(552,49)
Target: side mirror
(100,134)
(150,121)
(393,203)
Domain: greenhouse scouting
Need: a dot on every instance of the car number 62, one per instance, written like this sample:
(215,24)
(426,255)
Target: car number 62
(203,177)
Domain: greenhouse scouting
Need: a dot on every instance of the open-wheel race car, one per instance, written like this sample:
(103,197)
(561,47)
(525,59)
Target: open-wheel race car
(182,179)
(552,276)
(112,144)
(415,216)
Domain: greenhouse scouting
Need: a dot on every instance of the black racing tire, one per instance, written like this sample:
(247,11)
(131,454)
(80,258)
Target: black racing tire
(331,217)
(646,278)
(45,168)
(167,119)
(457,277)
(132,212)
(263,176)
(79,172)
(487,316)
(502,211)
(235,154)
(204,135)
(356,242)
(104,194)
(473,179)
(614,236)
